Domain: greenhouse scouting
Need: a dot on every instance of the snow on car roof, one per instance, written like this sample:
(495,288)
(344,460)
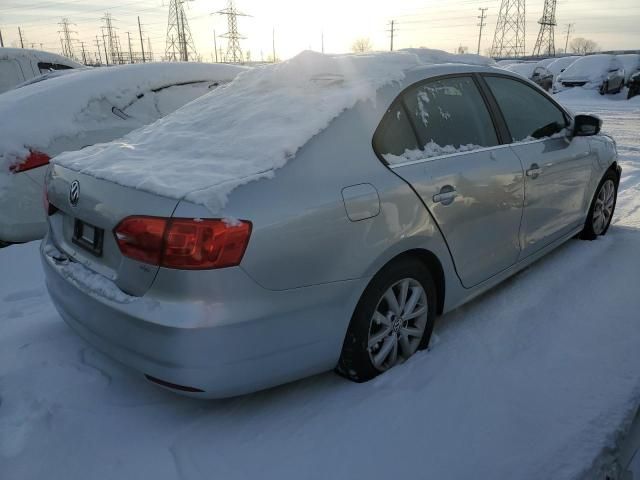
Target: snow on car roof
(248,129)
(561,63)
(8,53)
(33,115)
(589,67)
(524,69)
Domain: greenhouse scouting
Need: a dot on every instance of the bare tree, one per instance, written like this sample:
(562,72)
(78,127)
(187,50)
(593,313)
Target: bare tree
(582,46)
(361,45)
(462,49)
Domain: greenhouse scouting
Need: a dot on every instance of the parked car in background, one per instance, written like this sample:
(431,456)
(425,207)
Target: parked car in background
(601,72)
(524,69)
(542,77)
(634,85)
(631,63)
(18,65)
(70,112)
(560,64)
(270,244)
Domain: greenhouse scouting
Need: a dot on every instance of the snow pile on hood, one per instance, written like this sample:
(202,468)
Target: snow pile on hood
(32,116)
(242,132)
(591,68)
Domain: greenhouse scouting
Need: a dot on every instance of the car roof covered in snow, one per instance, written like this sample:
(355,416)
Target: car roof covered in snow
(250,128)
(524,69)
(561,63)
(27,113)
(590,67)
(8,53)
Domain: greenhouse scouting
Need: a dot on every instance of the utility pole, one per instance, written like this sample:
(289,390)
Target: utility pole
(566,43)
(98,47)
(104,44)
(84,55)
(130,51)
(481,25)
(141,42)
(392,30)
(20,34)
(322,42)
(1,41)
(149,49)
(273,43)
(215,44)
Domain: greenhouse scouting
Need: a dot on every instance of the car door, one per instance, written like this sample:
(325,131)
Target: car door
(452,157)
(557,167)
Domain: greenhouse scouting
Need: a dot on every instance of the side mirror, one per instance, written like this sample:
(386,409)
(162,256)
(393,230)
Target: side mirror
(586,125)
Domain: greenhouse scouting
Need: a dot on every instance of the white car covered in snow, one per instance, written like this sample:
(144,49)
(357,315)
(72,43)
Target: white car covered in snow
(631,63)
(17,65)
(71,112)
(601,72)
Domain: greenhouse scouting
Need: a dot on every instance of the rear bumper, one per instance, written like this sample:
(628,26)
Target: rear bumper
(222,349)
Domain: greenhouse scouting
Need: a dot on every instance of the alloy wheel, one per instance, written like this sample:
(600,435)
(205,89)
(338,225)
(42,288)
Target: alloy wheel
(398,324)
(603,208)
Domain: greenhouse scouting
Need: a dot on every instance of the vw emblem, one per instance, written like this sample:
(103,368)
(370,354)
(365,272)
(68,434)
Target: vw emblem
(74,193)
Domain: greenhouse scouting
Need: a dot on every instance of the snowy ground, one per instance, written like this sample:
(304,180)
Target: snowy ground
(532,381)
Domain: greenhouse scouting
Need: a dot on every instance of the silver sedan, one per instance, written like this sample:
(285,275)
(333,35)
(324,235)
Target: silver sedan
(399,211)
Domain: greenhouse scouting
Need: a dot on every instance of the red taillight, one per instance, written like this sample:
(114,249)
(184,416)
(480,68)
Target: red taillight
(34,159)
(183,243)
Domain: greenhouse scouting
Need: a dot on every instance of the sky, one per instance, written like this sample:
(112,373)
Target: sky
(300,25)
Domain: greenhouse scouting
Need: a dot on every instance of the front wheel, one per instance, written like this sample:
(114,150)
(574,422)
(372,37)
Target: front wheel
(602,207)
(394,319)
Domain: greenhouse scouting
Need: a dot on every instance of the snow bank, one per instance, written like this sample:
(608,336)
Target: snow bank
(32,116)
(431,56)
(231,137)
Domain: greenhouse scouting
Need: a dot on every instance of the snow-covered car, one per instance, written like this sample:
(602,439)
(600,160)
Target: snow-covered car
(561,64)
(49,75)
(543,77)
(634,85)
(317,213)
(524,69)
(18,65)
(70,112)
(631,63)
(602,72)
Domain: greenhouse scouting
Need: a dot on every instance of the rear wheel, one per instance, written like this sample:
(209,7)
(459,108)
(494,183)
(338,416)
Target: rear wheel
(394,319)
(604,87)
(602,207)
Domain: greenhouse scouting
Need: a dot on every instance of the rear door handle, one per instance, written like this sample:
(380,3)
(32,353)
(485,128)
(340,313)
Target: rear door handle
(446,196)
(534,171)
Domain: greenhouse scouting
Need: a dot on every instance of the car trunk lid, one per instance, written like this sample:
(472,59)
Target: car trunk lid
(87,211)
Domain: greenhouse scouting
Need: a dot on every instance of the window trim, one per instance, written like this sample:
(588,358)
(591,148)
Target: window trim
(497,121)
(536,88)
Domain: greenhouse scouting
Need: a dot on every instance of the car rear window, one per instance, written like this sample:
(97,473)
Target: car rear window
(47,67)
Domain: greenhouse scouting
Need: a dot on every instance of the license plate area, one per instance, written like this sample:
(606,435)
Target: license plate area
(88,237)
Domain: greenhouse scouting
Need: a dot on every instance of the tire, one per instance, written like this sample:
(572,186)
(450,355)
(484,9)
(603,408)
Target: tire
(377,327)
(633,91)
(597,213)
(603,88)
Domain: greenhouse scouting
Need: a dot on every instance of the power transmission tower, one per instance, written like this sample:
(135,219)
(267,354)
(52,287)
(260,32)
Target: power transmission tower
(84,55)
(509,37)
(98,47)
(179,44)
(234,52)
(546,44)
(481,25)
(111,39)
(66,40)
(566,43)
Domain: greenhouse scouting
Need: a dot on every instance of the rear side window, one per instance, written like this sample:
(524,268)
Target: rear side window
(47,67)
(10,74)
(450,115)
(395,134)
(444,116)
(528,113)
